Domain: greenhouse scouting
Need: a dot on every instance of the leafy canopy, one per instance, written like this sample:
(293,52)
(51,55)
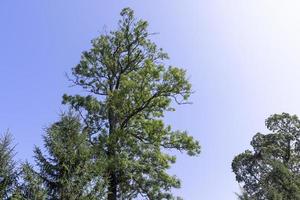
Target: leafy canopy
(271,170)
(128,90)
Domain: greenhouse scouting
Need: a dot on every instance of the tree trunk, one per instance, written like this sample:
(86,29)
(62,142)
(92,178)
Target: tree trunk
(112,188)
(112,182)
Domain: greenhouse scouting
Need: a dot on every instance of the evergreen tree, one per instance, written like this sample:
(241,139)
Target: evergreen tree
(129,89)
(69,172)
(32,186)
(271,171)
(8,171)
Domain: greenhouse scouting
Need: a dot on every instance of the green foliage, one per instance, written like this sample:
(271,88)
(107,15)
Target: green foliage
(69,171)
(32,186)
(243,195)
(129,88)
(8,171)
(271,171)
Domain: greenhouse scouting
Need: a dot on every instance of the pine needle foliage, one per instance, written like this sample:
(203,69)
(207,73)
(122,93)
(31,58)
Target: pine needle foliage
(8,171)
(68,170)
(32,186)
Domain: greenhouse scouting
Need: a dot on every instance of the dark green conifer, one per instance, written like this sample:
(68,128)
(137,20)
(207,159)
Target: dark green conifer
(69,169)
(8,171)
(31,186)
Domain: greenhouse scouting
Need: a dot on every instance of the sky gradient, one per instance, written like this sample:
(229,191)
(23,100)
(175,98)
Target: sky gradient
(242,58)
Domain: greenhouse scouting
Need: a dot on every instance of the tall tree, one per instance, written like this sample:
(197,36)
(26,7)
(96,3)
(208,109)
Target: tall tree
(8,171)
(129,88)
(70,171)
(272,169)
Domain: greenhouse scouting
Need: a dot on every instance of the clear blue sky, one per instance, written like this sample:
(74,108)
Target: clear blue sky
(242,58)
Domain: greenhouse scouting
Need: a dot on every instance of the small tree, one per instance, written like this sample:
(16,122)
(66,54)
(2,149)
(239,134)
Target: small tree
(8,172)
(70,171)
(129,90)
(272,170)
(31,187)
